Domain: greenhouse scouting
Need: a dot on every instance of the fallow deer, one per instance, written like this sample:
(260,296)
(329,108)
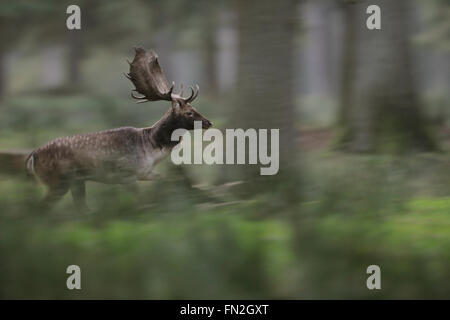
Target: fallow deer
(122,155)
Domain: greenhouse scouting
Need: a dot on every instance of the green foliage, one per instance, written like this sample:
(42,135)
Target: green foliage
(148,256)
(172,242)
(411,246)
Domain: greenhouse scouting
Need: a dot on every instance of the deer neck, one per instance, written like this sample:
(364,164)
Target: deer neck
(159,135)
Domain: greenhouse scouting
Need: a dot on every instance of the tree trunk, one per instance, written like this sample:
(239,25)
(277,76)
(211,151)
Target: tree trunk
(348,63)
(265,96)
(380,109)
(317,45)
(2,73)
(210,49)
(75,47)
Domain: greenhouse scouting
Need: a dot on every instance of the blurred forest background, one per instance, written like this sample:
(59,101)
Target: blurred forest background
(364,150)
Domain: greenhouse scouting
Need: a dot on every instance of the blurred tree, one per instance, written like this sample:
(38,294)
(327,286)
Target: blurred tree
(104,24)
(318,46)
(210,23)
(2,70)
(437,14)
(348,10)
(76,47)
(432,42)
(380,108)
(264,94)
(193,26)
(15,17)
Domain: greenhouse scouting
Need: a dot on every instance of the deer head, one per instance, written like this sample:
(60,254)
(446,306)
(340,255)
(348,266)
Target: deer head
(149,81)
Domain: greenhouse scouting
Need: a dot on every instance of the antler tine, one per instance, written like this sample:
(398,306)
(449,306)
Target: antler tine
(168,95)
(136,97)
(194,93)
(140,99)
(181,90)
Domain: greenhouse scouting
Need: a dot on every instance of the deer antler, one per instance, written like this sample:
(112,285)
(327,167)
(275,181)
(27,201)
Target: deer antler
(194,94)
(149,80)
(148,77)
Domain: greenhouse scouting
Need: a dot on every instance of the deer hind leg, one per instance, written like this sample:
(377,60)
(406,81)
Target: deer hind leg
(78,190)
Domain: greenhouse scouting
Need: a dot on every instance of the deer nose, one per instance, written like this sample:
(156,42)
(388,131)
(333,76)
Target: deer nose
(207,123)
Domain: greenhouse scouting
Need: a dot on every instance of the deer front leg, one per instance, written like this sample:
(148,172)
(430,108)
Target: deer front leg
(78,190)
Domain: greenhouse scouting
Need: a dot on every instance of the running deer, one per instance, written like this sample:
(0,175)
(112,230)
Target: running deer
(122,155)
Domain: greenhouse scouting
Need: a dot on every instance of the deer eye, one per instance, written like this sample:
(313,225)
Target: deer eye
(189,114)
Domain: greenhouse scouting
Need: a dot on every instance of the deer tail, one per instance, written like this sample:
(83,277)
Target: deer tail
(30,164)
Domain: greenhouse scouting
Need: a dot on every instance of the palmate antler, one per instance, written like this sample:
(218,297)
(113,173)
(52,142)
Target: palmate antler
(149,80)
